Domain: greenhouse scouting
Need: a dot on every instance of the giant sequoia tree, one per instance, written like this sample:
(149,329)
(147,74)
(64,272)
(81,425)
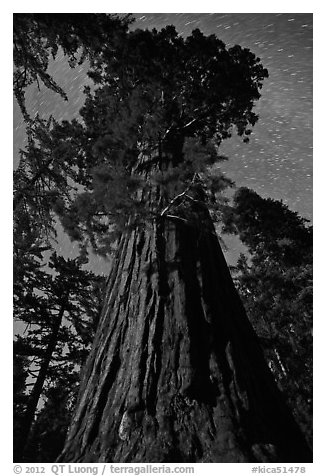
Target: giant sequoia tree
(176,373)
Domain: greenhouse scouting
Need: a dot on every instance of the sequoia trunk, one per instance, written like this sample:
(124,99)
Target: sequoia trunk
(176,373)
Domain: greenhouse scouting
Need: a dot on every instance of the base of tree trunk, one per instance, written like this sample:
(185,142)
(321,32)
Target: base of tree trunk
(176,373)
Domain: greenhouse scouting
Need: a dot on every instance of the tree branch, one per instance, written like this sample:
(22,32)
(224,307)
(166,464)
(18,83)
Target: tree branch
(180,195)
(167,208)
(175,217)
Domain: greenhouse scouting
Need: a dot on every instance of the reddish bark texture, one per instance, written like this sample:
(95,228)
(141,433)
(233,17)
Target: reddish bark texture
(176,373)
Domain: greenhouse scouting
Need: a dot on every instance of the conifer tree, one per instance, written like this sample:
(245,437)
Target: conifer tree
(55,302)
(38,37)
(59,309)
(176,373)
(275,284)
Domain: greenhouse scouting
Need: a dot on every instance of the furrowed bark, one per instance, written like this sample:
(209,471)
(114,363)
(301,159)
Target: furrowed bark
(176,373)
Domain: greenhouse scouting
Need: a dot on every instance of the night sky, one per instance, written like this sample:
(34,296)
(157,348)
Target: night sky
(277,162)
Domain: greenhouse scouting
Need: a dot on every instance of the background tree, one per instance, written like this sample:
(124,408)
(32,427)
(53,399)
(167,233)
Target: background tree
(50,428)
(275,283)
(59,308)
(38,37)
(54,300)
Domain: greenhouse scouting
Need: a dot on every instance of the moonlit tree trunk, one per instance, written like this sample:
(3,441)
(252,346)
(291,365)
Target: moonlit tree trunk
(176,373)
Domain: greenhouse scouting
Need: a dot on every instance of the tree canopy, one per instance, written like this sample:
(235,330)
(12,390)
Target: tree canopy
(158,97)
(38,37)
